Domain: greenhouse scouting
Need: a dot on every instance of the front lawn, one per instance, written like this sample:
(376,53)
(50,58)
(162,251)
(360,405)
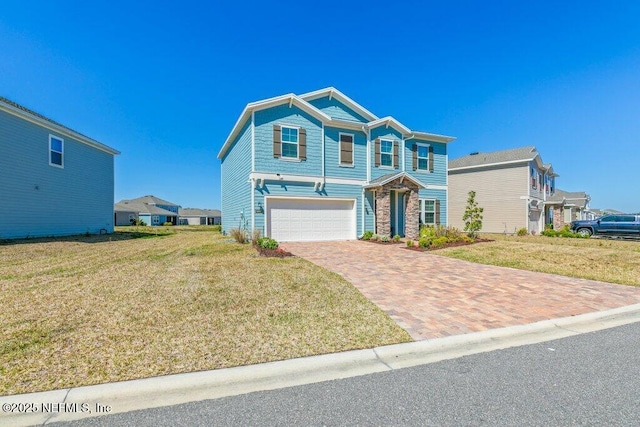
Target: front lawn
(614,261)
(87,310)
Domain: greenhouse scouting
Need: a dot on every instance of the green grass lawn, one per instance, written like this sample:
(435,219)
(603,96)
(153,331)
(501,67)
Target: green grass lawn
(145,302)
(609,260)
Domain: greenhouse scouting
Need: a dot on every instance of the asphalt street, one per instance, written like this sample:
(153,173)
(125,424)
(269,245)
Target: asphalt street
(587,379)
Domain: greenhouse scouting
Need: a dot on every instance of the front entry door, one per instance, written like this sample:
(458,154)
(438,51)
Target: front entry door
(398,204)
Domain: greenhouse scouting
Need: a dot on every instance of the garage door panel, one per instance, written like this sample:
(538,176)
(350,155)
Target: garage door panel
(308,220)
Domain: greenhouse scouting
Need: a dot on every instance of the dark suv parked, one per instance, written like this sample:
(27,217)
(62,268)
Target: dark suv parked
(614,225)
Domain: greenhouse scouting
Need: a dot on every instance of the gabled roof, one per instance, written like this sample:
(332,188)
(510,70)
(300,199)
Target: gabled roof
(290,98)
(514,155)
(198,212)
(301,102)
(141,208)
(150,200)
(574,198)
(30,115)
(385,179)
(389,121)
(332,92)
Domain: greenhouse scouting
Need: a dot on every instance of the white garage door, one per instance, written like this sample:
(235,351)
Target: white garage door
(296,220)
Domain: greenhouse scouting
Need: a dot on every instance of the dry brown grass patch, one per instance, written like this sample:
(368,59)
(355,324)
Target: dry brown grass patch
(82,311)
(613,261)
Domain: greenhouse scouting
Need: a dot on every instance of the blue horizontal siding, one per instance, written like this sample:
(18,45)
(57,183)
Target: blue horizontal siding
(439,174)
(285,115)
(337,110)
(234,174)
(43,200)
(388,133)
(332,153)
(437,195)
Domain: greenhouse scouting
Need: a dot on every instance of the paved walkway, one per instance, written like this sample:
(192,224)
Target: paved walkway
(433,296)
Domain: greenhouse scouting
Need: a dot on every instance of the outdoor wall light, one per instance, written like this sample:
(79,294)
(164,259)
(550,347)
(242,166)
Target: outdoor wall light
(259,209)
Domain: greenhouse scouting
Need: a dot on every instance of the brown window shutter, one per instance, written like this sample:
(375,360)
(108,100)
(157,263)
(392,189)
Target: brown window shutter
(431,158)
(415,156)
(277,141)
(302,144)
(437,212)
(377,152)
(396,158)
(346,151)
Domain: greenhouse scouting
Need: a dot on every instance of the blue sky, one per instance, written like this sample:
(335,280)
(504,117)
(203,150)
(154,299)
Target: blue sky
(164,82)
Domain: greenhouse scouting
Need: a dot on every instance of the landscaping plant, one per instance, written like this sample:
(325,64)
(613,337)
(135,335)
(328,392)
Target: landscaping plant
(472,216)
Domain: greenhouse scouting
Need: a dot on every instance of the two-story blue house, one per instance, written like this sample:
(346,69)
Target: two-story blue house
(319,166)
(53,180)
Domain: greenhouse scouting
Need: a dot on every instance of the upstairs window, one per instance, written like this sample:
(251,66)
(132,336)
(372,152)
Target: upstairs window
(534,179)
(386,153)
(289,142)
(56,151)
(346,149)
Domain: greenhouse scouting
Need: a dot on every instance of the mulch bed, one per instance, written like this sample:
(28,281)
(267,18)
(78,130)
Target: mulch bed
(390,242)
(272,253)
(448,245)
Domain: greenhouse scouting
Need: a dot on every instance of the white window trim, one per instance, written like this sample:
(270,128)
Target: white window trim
(61,153)
(421,144)
(353,150)
(391,154)
(422,210)
(282,142)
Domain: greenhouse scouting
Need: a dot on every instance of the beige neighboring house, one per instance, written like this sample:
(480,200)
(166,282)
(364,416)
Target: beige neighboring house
(511,185)
(194,216)
(565,206)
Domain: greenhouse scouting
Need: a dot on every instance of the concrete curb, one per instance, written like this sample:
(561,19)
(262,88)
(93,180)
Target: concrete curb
(125,396)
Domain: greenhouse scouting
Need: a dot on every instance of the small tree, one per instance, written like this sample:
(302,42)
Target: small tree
(472,216)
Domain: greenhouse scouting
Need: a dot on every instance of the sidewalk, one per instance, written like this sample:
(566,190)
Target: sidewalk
(111,398)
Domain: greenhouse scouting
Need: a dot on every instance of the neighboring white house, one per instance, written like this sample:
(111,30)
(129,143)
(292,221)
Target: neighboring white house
(194,216)
(54,181)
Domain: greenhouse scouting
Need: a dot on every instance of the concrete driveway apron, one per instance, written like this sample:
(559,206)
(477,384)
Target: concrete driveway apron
(432,296)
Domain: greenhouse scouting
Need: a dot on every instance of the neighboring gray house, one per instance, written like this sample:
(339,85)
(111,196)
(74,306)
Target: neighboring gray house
(564,206)
(193,216)
(511,185)
(54,181)
(152,210)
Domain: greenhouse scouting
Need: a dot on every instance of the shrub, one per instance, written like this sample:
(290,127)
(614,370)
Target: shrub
(472,216)
(425,242)
(468,239)
(409,243)
(427,231)
(217,228)
(453,234)
(267,243)
(396,238)
(439,242)
(550,232)
(522,232)
(238,235)
(375,238)
(138,221)
(384,238)
(166,224)
(255,236)
(367,235)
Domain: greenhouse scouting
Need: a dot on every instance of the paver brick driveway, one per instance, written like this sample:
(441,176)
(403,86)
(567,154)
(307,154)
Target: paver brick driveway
(433,296)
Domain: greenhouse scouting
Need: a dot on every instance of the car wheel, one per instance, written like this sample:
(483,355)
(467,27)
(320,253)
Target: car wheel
(584,232)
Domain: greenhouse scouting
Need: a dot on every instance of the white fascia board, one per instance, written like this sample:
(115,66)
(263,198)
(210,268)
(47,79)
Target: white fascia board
(57,128)
(335,93)
(389,121)
(485,165)
(433,137)
(402,175)
(304,178)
